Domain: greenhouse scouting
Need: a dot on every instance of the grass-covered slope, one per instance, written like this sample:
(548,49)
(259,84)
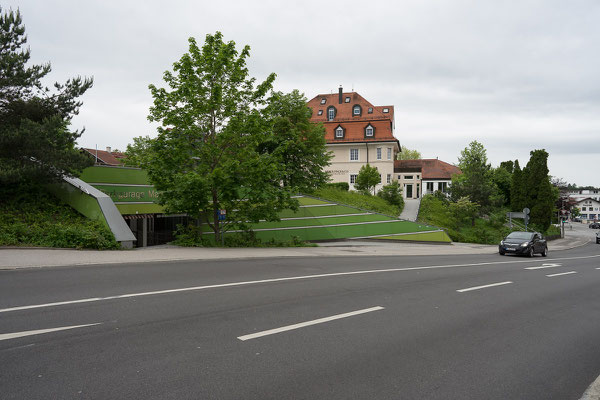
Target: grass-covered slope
(33,217)
(358,200)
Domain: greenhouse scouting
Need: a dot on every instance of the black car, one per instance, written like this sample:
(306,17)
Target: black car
(594,225)
(597,237)
(524,243)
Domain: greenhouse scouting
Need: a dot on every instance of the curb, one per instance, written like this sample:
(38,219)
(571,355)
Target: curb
(592,392)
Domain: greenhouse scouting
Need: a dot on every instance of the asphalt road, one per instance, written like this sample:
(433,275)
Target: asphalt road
(427,327)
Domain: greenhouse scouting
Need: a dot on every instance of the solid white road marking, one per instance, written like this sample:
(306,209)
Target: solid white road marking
(545,266)
(483,287)
(293,278)
(307,323)
(562,273)
(7,336)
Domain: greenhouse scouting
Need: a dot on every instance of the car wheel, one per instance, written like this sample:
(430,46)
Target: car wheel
(501,252)
(530,253)
(545,252)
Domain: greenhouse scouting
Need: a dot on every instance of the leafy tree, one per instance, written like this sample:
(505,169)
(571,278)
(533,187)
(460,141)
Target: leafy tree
(218,146)
(502,177)
(540,194)
(575,212)
(297,144)
(392,193)
(408,154)
(137,153)
(368,177)
(476,181)
(36,144)
(464,210)
(508,165)
(517,189)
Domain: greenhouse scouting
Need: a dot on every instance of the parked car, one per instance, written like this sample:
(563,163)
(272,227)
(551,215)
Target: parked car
(597,237)
(576,219)
(594,225)
(523,243)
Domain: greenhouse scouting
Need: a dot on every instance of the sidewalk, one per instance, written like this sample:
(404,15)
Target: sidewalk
(15,258)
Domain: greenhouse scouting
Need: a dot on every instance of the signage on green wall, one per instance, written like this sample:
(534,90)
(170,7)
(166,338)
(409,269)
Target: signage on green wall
(130,193)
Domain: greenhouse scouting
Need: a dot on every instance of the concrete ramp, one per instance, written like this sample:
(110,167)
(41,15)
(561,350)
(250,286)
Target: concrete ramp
(411,209)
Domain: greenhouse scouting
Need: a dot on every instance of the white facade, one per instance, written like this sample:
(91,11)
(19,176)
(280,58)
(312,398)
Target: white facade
(348,158)
(589,208)
(579,195)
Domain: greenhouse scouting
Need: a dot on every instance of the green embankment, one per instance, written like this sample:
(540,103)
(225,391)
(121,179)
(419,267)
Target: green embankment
(33,217)
(322,219)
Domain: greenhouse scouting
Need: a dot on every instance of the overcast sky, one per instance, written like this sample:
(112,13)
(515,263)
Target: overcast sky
(514,75)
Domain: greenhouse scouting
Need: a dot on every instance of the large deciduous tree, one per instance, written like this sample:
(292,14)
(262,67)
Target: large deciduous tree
(476,181)
(222,144)
(36,144)
(408,154)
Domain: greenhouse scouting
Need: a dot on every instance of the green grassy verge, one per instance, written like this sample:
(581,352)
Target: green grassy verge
(32,217)
(366,202)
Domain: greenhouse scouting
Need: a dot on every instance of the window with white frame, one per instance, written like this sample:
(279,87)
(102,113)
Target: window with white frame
(353,154)
(408,176)
(379,153)
(353,178)
(369,131)
(320,112)
(386,110)
(323,101)
(429,187)
(389,178)
(389,153)
(347,100)
(356,110)
(330,113)
(339,132)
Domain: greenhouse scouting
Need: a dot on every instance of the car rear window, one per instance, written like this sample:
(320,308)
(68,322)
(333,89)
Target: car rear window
(520,235)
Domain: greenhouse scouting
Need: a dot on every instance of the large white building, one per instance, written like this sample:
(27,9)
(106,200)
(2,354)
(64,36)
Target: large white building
(357,133)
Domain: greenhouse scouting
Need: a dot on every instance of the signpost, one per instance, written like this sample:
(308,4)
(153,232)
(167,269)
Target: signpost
(524,215)
(222,217)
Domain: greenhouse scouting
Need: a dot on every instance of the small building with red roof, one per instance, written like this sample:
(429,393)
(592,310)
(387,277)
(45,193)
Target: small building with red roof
(357,132)
(105,157)
(425,176)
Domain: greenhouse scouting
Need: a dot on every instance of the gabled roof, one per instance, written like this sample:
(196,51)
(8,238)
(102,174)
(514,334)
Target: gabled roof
(586,199)
(105,157)
(354,125)
(344,110)
(430,168)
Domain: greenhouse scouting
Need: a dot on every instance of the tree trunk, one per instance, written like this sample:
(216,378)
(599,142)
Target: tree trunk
(216,222)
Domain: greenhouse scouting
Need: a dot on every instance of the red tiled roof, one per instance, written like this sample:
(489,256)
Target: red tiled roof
(430,168)
(105,157)
(354,125)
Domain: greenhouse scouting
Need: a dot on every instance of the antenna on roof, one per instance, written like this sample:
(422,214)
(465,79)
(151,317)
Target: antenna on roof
(96,153)
(353,87)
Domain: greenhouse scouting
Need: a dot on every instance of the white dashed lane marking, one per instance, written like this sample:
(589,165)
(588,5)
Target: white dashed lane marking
(307,323)
(562,273)
(483,286)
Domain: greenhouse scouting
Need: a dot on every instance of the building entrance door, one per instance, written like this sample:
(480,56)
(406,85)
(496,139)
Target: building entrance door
(409,191)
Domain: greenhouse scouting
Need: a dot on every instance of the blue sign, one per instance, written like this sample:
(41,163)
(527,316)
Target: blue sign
(222,215)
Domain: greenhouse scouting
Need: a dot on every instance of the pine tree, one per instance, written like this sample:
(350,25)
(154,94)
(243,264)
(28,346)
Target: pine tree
(540,196)
(36,145)
(517,189)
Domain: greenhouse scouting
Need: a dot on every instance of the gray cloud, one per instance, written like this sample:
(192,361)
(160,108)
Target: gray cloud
(514,75)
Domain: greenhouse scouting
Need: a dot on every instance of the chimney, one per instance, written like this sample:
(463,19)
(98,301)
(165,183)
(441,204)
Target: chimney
(108,148)
(341,90)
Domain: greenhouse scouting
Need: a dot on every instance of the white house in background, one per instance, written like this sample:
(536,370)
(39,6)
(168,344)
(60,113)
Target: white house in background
(421,177)
(589,208)
(584,194)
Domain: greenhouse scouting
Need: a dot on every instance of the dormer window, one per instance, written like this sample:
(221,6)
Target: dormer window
(339,132)
(356,110)
(320,112)
(369,131)
(370,110)
(347,100)
(323,101)
(386,110)
(331,113)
